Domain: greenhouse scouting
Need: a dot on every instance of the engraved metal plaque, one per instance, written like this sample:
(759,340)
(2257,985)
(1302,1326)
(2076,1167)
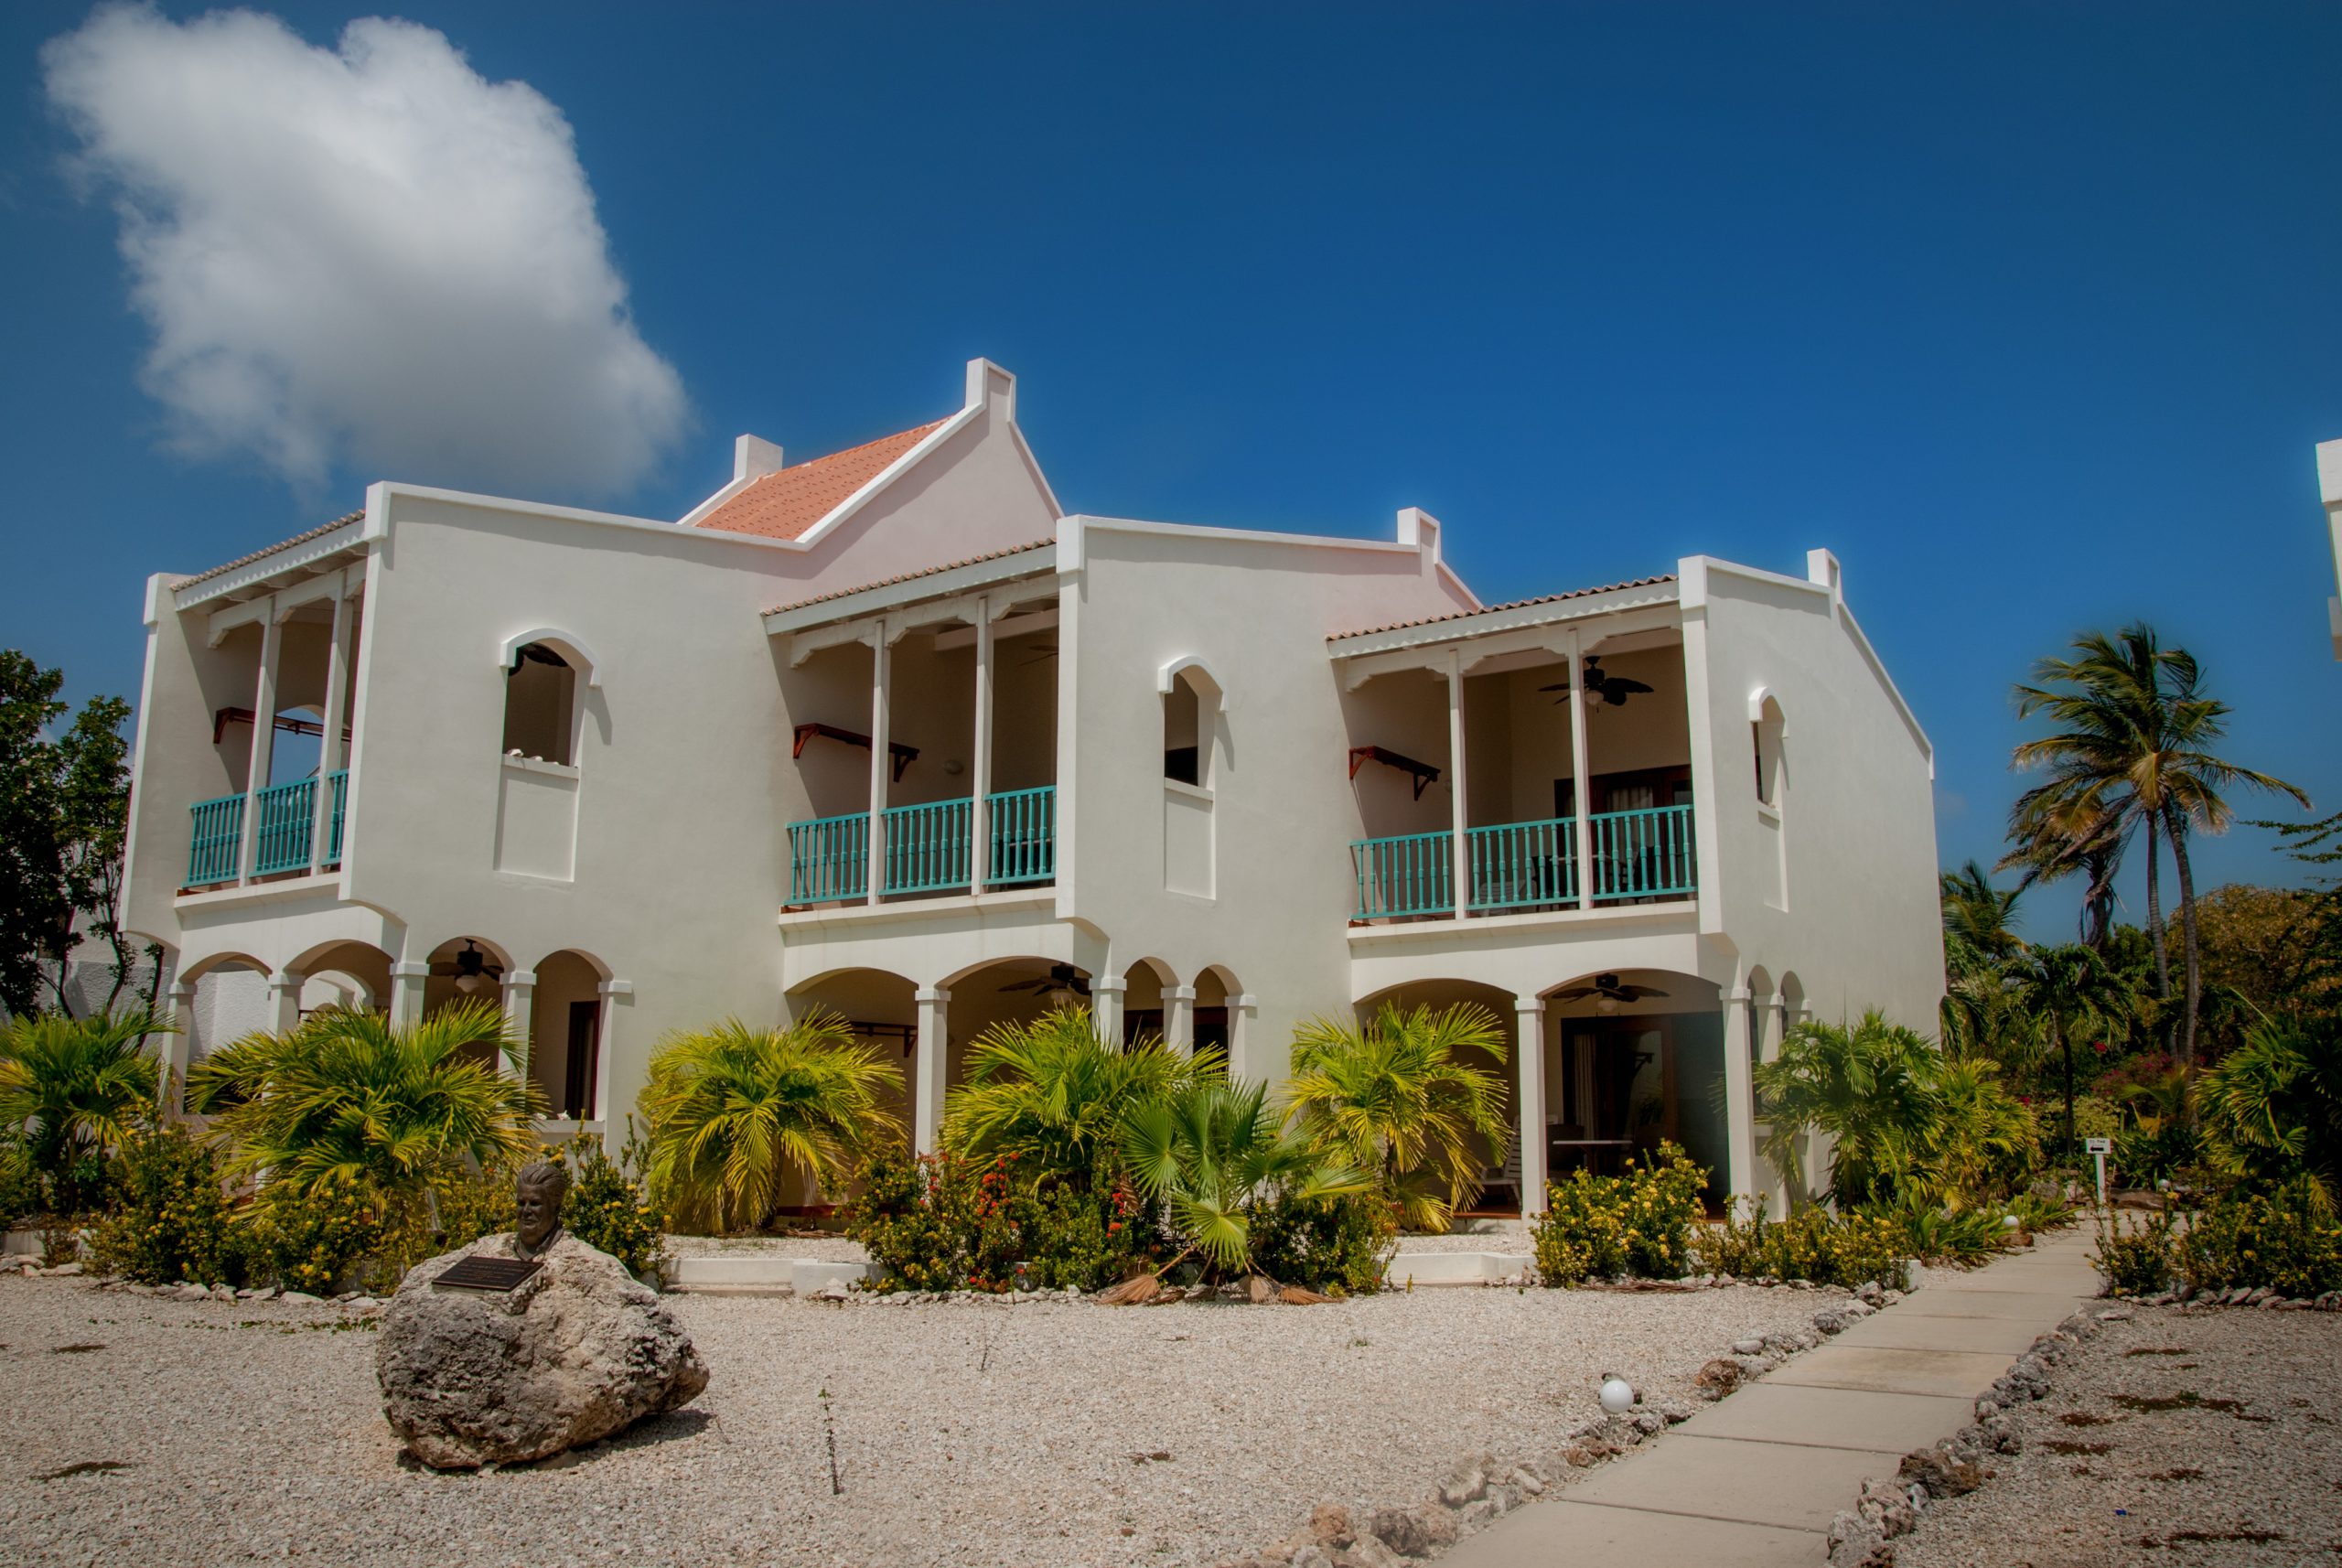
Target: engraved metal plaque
(482,1273)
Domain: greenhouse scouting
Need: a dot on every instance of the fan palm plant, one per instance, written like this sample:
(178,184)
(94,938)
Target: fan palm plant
(74,1090)
(1864,1086)
(1217,1152)
(1052,1093)
(2275,1103)
(350,1097)
(1400,1098)
(734,1110)
(2072,991)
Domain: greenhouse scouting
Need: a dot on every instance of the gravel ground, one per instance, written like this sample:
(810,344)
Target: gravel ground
(964,1432)
(2181,1437)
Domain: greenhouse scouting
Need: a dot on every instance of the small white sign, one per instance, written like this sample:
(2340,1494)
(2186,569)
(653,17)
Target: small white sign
(2098,1146)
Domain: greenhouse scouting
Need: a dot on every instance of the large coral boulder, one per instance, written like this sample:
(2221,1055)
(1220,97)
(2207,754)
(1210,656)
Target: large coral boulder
(579,1352)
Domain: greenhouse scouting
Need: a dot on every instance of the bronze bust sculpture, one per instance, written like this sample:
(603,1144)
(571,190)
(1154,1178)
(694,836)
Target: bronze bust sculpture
(537,1195)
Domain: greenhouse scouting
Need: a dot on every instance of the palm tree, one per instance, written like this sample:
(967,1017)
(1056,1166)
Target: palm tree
(1215,1153)
(2071,989)
(2277,1103)
(732,1110)
(350,1097)
(1052,1093)
(1978,941)
(1864,1086)
(1400,1098)
(74,1089)
(2130,759)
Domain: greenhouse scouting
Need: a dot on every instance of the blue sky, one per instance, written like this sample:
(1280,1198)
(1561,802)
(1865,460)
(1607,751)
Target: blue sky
(2028,313)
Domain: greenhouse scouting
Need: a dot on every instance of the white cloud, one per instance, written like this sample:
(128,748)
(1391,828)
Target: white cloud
(368,256)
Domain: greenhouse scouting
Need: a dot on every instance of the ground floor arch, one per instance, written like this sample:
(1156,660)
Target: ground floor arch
(1634,1059)
(1504,1186)
(563,1017)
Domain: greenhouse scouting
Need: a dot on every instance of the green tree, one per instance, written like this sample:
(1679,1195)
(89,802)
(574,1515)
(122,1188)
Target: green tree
(349,1097)
(64,806)
(1864,1086)
(734,1110)
(72,1091)
(2131,756)
(1216,1155)
(1402,1098)
(1979,941)
(1052,1093)
(2276,1106)
(2073,992)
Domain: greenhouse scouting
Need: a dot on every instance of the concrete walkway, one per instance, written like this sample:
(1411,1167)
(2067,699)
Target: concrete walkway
(1753,1480)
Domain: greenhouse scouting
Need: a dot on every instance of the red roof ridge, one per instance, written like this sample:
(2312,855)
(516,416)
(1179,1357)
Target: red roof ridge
(787,502)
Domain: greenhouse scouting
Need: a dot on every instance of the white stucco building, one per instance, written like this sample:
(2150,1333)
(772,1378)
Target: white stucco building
(886,732)
(2329,490)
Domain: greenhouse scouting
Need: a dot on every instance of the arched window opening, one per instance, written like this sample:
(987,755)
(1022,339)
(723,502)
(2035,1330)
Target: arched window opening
(540,703)
(1183,732)
(1767,730)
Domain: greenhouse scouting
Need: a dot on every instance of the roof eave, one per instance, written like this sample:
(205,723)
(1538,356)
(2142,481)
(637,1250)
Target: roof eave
(1484,623)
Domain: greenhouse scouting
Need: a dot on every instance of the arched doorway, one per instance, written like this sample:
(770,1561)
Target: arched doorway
(1146,985)
(1500,1193)
(565,1023)
(1635,1059)
(354,975)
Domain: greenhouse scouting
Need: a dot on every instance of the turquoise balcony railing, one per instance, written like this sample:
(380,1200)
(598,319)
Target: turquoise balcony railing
(1023,837)
(829,858)
(1639,854)
(284,818)
(219,839)
(925,848)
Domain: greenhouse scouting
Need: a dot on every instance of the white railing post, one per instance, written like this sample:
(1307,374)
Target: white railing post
(272,644)
(1581,775)
(329,750)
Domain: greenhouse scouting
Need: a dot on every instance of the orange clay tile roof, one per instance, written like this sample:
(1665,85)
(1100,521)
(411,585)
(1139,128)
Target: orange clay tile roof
(1514,604)
(912,576)
(786,502)
(318,533)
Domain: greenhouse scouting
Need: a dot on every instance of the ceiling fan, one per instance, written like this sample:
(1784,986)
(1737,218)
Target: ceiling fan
(1613,690)
(473,970)
(1062,977)
(1608,992)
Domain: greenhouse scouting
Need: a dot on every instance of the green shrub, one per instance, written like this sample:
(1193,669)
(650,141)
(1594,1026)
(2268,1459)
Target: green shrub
(1963,1236)
(452,1205)
(1810,1244)
(2150,1151)
(606,1208)
(1639,1223)
(2139,1256)
(19,1184)
(309,1239)
(2285,1239)
(940,1222)
(1335,1245)
(172,1219)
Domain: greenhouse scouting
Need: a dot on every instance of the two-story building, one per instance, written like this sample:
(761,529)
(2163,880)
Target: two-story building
(887,734)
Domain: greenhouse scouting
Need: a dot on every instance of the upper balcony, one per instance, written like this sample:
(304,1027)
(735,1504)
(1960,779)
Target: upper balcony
(925,726)
(1534,757)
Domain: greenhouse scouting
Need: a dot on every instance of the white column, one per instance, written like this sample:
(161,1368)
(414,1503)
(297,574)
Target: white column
(1765,1045)
(1740,1099)
(285,1001)
(329,748)
(1528,1101)
(1243,1009)
(272,644)
(1460,870)
(173,1054)
(1106,1010)
(605,1036)
(980,762)
(1581,775)
(1179,1018)
(519,1012)
(406,992)
(930,1065)
(882,649)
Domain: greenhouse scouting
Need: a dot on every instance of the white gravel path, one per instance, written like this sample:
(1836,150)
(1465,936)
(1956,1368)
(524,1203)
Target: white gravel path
(2129,1463)
(969,1432)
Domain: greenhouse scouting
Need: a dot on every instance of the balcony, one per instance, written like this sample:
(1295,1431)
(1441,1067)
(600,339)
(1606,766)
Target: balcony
(1639,856)
(285,817)
(925,848)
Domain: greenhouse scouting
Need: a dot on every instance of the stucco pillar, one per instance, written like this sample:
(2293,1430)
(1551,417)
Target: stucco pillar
(1244,1012)
(1528,1101)
(329,748)
(1739,1100)
(285,1001)
(1765,1045)
(882,650)
(519,1013)
(980,762)
(931,1063)
(1179,1018)
(612,993)
(406,992)
(272,645)
(1106,1010)
(173,1050)
(1459,872)
(1581,778)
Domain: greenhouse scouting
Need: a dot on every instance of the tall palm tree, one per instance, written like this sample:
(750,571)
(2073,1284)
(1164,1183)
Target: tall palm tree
(349,1096)
(1978,941)
(1053,1094)
(1215,1153)
(2131,757)
(2072,991)
(1400,1098)
(71,1088)
(732,1110)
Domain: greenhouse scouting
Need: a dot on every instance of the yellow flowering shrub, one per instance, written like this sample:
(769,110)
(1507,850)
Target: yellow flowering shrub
(1638,1223)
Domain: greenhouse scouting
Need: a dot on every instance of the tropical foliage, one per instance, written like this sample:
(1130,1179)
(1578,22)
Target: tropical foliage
(1052,1095)
(73,1091)
(1216,1155)
(1404,1098)
(2275,1107)
(735,1110)
(1640,1222)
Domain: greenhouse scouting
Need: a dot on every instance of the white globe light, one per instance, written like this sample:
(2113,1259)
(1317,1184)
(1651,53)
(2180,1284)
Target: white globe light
(1617,1398)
